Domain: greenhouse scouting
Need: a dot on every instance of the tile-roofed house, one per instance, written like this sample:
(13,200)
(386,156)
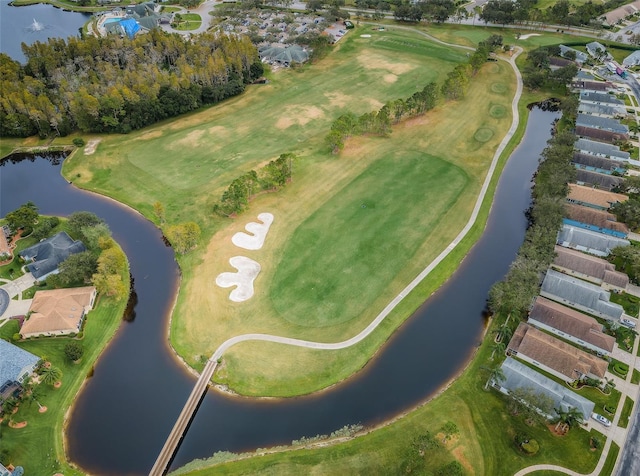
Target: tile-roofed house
(58,311)
(603,181)
(604,110)
(45,257)
(589,268)
(578,84)
(595,220)
(570,325)
(614,16)
(601,149)
(600,98)
(15,365)
(594,198)
(597,50)
(602,128)
(588,241)
(557,63)
(554,356)
(581,295)
(518,375)
(632,60)
(580,56)
(597,164)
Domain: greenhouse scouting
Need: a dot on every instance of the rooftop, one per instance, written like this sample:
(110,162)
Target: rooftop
(601,148)
(598,218)
(600,198)
(576,292)
(49,253)
(519,375)
(555,354)
(602,123)
(598,97)
(13,360)
(588,241)
(588,265)
(571,322)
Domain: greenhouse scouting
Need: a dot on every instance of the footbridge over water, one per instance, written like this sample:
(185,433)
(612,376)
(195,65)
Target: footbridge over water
(172,443)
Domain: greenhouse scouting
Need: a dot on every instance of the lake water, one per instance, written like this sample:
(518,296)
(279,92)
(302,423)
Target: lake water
(17,25)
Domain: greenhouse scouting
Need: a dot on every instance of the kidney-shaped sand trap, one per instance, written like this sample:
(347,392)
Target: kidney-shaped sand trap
(243,279)
(259,230)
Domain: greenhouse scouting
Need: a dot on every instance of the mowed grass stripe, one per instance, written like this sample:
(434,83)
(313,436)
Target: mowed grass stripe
(360,239)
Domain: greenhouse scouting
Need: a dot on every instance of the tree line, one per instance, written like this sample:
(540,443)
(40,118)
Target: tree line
(379,122)
(114,84)
(274,175)
(537,73)
(506,12)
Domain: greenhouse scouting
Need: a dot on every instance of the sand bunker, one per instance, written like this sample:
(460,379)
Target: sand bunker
(259,230)
(90,148)
(529,35)
(248,270)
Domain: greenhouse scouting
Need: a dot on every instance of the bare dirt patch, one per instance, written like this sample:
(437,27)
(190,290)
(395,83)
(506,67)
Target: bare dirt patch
(458,453)
(151,135)
(192,139)
(91,146)
(337,99)
(375,103)
(219,131)
(299,115)
(390,78)
(373,61)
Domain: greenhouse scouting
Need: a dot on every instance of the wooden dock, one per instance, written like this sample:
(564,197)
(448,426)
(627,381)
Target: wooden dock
(161,465)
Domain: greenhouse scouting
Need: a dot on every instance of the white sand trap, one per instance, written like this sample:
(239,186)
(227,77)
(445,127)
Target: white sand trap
(365,36)
(529,35)
(248,270)
(259,230)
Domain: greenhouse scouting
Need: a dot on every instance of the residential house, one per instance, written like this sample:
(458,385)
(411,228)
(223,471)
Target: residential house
(601,149)
(45,257)
(580,56)
(579,294)
(617,15)
(588,241)
(597,164)
(518,375)
(16,365)
(590,268)
(570,325)
(594,220)
(600,98)
(602,181)
(592,197)
(603,110)
(58,311)
(580,84)
(597,50)
(632,60)
(554,356)
(601,128)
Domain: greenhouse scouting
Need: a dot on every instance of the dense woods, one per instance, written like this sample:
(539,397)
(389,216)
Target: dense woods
(115,84)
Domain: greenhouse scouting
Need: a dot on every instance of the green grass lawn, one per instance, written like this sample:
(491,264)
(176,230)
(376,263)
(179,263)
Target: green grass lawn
(630,303)
(188,21)
(635,378)
(626,412)
(610,462)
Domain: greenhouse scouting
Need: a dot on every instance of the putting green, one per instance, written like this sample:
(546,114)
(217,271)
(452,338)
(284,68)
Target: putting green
(499,88)
(371,228)
(497,111)
(483,134)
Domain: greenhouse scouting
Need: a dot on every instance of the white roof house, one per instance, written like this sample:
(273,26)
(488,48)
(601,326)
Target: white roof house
(632,60)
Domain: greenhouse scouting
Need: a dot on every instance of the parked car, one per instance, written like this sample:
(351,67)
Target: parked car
(600,419)
(628,323)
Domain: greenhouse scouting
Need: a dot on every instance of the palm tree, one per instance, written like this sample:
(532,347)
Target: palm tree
(498,348)
(569,418)
(51,375)
(495,374)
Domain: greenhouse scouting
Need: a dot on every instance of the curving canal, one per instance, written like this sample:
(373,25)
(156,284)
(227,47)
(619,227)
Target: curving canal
(128,407)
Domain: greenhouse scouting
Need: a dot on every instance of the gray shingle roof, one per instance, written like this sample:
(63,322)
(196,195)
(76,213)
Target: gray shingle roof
(571,322)
(601,148)
(48,254)
(604,109)
(589,241)
(589,160)
(602,123)
(596,97)
(577,293)
(581,56)
(633,59)
(518,375)
(581,74)
(13,360)
(606,182)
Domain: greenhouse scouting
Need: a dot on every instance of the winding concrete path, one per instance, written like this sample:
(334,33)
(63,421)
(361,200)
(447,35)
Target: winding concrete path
(412,285)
